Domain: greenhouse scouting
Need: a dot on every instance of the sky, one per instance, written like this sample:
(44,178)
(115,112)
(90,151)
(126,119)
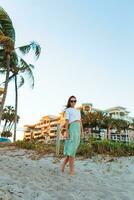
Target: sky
(87,51)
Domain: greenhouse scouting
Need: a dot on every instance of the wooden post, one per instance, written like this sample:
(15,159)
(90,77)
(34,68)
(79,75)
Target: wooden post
(116,138)
(58,140)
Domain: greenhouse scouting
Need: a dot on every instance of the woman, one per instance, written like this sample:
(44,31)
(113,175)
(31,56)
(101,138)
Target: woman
(74,129)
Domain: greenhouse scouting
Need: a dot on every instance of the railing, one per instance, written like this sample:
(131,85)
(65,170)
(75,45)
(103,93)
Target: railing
(113,137)
(53,128)
(122,137)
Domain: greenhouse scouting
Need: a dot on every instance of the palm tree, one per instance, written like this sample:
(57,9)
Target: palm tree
(15,64)
(23,68)
(109,123)
(7,41)
(93,120)
(8,117)
(99,118)
(20,69)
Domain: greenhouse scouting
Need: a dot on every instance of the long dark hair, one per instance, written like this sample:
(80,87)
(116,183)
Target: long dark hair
(68,103)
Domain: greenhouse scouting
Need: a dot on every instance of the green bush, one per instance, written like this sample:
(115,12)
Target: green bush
(86,149)
(39,147)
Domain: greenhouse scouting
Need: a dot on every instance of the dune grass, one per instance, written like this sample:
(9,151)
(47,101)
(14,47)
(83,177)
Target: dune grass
(86,149)
(92,147)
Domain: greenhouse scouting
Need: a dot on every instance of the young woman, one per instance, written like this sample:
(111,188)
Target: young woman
(73,131)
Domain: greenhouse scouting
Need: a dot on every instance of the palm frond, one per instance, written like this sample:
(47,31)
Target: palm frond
(21,81)
(25,49)
(2,71)
(34,46)
(26,68)
(11,77)
(6,42)
(14,63)
(6,24)
(2,52)
(31,66)
(23,65)
(2,65)
(30,75)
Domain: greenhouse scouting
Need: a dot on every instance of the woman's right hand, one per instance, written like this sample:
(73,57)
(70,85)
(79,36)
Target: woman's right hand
(67,135)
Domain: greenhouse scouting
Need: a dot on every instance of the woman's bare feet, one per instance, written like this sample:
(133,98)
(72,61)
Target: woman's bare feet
(62,168)
(72,173)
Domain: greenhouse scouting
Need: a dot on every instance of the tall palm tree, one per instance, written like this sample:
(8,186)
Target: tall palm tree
(99,118)
(20,69)
(23,69)
(8,117)
(109,123)
(7,41)
(13,64)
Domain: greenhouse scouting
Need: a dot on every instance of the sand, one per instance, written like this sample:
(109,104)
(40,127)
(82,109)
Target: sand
(96,179)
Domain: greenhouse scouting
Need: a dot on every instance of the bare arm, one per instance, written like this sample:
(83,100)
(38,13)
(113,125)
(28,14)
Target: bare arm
(67,128)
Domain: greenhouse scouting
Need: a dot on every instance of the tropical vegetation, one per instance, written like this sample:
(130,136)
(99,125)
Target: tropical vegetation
(12,65)
(86,149)
(8,118)
(97,121)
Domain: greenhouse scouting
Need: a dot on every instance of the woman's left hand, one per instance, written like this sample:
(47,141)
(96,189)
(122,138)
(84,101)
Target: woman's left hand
(82,135)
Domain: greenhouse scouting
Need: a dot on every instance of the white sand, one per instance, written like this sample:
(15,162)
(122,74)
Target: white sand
(23,178)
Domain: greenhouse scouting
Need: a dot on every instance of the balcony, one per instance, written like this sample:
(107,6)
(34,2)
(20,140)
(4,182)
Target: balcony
(37,131)
(27,133)
(44,125)
(37,136)
(28,136)
(52,134)
(45,132)
(53,128)
(54,122)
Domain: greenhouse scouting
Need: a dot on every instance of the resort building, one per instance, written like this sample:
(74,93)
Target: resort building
(119,113)
(29,131)
(46,128)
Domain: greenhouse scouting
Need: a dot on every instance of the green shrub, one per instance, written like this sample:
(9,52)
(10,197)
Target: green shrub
(86,149)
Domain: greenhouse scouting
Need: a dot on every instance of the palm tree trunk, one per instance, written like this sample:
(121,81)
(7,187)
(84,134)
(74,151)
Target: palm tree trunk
(4,127)
(108,133)
(6,86)
(10,126)
(16,107)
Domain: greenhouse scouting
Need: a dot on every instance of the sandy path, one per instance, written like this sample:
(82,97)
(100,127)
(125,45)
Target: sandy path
(23,178)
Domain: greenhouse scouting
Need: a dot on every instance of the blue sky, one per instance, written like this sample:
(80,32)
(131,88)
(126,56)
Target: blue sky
(87,51)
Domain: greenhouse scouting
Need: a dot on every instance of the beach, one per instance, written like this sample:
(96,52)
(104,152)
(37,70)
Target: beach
(24,176)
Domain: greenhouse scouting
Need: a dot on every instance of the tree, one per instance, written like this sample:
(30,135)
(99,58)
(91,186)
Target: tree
(17,67)
(8,117)
(99,118)
(21,69)
(7,41)
(109,123)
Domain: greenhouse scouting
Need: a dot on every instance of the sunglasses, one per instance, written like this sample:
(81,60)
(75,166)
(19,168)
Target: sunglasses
(73,101)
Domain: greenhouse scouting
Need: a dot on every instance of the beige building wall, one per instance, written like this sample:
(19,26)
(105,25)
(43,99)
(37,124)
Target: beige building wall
(45,129)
